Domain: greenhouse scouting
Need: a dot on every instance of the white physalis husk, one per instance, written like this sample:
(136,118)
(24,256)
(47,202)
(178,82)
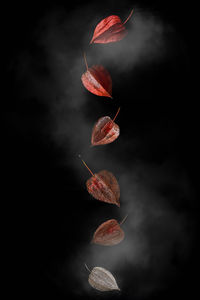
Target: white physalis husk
(102,280)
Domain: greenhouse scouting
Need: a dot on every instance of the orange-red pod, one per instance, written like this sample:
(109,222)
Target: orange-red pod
(105,131)
(103,186)
(109,30)
(108,233)
(97,80)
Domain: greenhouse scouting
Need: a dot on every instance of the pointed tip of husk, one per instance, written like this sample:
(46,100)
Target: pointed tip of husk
(108,95)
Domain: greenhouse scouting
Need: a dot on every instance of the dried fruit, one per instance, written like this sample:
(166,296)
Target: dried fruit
(105,131)
(103,186)
(102,280)
(109,233)
(97,80)
(109,30)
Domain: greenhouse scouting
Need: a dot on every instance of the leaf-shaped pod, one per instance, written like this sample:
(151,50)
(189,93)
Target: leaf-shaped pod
(97,80)
(109,30)
(108,233)
(105,131)
(103,186)
(102,280)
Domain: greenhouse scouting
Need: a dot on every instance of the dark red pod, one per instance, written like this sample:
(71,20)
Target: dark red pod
(97,80)
(103,186)
(109,30)
(109,233)
(105,131)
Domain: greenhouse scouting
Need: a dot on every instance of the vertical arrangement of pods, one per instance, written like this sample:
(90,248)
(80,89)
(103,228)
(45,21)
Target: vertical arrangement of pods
(103,186)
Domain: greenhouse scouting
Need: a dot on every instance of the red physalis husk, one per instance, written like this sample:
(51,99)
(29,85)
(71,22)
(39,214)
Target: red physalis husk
(103,186)
(108,233)
(97,80)
(109,30)
(105,131)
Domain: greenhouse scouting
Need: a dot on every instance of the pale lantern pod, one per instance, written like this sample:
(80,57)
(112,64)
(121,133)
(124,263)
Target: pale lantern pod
(102,280)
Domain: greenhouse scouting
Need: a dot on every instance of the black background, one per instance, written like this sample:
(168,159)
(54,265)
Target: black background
(41,232)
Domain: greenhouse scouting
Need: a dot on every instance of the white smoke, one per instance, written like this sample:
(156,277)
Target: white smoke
(153,229)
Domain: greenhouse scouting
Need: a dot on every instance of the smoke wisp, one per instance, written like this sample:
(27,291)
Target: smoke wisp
(156,233)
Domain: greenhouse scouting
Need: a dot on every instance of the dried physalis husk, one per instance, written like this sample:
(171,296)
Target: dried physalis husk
(109,30)
(97,80)
(102,280)
(109,233)
(105,131)
(103,186)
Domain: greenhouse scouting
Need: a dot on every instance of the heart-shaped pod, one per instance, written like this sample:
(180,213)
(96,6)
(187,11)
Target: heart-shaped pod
(108,233)
(102,280)
(97,80)
(103,186)
(109,30)
(105,131)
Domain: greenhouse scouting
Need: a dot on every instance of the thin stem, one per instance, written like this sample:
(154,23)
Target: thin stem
(124,219)
(85,60)
(86,165)
(116,114)
(129,16)
(87,268)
